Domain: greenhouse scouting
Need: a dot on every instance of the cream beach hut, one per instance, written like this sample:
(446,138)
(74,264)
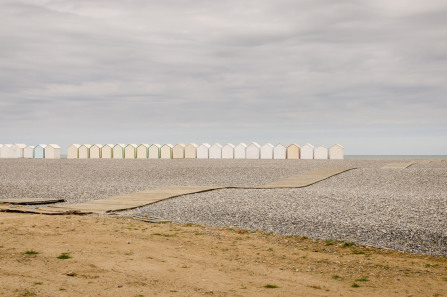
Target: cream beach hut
(5,151)
(28,152)
(228,151)
(154,151)
(142,151)
(293,151)
(336,152)
(203,151)
(253,151)
(178,151)
(16,150)
(130,151)
(267,151)
(72,151)
(215,151)
(279,152)
(166,151)
(191,151)
(52,151)
(95,151)
(39,151)
(307,151)
(1,145)
(107,151)
(84,151)
(118,151)
(240,151)
(321,153)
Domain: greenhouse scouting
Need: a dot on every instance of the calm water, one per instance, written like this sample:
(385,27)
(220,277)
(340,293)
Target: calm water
(394,157)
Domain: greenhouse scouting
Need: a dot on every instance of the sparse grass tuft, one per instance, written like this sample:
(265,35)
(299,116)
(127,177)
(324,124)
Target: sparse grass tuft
(362,279)
(355,285)
(270,286)
(346,244)
(336,277)
(31,252)
(64,256)
(164,235)
(315,287)
(270,250)
(329,242)
(383,266)
(38,283)
(29,293)
(358,252)
(431,265)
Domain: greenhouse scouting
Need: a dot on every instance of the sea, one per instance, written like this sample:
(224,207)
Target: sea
(394,157)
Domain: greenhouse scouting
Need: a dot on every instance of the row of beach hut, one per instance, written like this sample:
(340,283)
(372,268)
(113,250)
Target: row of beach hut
(203,151)
(21,150)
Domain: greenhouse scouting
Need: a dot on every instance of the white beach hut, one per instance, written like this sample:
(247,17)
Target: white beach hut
(39,151)
(191,151)
(321,153)
(293,151)
(52,151)
(166,151)
(228,151)
(72,151)
(118,151)
(240,151)
(28,152)
(253,151)
(1,145)
(279,152)
(307,151)
(16,150)
(336,152)
(142,151)
(84,151)
(178,151)
(154,151)
(5,151)
(203,151)
(107,151)
(215,151)
(130,151)
(267,151)
(95,151)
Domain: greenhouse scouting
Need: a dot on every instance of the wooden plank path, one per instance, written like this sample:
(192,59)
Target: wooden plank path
(398,165)
(30,201)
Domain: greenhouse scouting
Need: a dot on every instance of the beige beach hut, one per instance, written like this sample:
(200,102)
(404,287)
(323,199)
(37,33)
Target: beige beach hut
(178,151)
(118,151)
(95,151)
(1,145)
(154,151)
(142,151)
(107,151)
(336,152)
(267,151)
(240,151)
(228,151)
(203,151)
(16,150)
(130,151)
(253,151)
(5,151)
(52,151)
(321,153)
(166,151)
(28,152)
(191,151)
(279,152)
(307,151)
(84,151)
(293,151)
(72,151)
(215,151)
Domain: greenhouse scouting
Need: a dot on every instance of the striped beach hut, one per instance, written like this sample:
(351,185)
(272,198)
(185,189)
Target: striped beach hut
(95,151)
(178,151)
(118,151)
(321,153)
(215,151)
(279,152)
(16,150)
(52,151)
(107,151)
(5,151)
(203,151)
(240,151)
(72,151)
(166,151)
(253,151)
(28,152)
(84,151)
(142,151)
(130,151)
(293,151)
(39,151)
(267,151)
(307,151)
(228,151)
(336,152)
(154,151)
(191,151)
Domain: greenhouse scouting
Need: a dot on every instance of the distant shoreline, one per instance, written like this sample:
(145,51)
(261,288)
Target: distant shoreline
(393,157)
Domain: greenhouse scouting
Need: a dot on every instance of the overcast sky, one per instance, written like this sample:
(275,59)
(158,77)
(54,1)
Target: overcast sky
(370,75)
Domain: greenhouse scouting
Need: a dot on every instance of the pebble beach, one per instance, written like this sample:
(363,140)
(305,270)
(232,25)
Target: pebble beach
(401,209)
